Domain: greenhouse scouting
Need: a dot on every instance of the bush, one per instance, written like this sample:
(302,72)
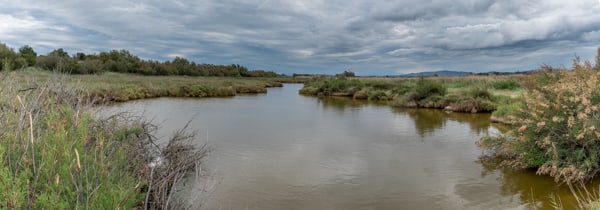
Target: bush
(426,88)
(330,86)
(559,132)
(509,107)
(468,104)
(309,90)
(508,84)
(362,94)
(479,92)
(378,95)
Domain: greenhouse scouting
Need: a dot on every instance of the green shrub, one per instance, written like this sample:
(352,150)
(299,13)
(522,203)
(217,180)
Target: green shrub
(509,107)
(361,94)
(434,101)
(469,104)
(55,154)
(426,88)
(507,84)
(558,133)
(479,92)
(309,90)
(378,95)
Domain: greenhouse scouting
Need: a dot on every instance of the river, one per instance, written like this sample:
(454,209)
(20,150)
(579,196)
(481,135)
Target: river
(282,150)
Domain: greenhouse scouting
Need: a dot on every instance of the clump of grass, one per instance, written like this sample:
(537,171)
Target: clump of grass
(54,154)
(480,93)
(509,109)
(506,84)
(426,88)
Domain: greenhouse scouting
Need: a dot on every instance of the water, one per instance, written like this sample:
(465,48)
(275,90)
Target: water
(282,150)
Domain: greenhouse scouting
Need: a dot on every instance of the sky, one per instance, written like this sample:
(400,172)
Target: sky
(368,37)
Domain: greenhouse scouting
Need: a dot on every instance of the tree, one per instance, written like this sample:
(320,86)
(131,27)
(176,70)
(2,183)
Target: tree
(80,56)
(60,53)
(346,74)
(27,53)
(7,56)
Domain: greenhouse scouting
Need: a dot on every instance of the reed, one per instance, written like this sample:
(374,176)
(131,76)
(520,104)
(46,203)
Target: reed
(55,154)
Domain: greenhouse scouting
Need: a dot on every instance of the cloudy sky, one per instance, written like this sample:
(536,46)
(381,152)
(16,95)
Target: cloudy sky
(369,37)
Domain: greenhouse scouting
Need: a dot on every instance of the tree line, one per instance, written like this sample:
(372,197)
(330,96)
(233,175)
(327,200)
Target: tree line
(121,61)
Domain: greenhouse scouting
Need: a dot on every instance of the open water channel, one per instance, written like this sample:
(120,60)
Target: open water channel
(282,150)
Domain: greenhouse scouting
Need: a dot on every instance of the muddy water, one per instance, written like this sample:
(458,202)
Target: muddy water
(282,150)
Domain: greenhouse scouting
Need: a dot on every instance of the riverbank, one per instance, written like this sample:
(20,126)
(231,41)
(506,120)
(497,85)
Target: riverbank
(55,154)
(121,87)
(472,94)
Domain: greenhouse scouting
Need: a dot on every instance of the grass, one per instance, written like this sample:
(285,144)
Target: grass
(474,93)
(121,87)
(54,154)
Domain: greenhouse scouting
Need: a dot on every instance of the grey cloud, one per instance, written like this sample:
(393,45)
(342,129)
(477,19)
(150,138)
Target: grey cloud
(368,37)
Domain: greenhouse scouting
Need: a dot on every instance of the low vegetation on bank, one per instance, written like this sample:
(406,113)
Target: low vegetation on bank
(557,133)
(55,154)
(462,94)
(120,87)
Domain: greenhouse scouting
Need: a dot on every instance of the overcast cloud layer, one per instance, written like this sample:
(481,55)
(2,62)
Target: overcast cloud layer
(308,36)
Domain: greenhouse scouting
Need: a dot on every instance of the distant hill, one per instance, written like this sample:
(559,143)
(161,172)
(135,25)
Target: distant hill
(437,73)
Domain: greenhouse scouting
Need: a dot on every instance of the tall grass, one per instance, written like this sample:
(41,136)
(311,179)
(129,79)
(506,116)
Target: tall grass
(557,133)
(54,154)
(120,87)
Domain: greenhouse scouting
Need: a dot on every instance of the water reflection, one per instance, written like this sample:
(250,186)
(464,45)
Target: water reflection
(426,121)
(342,104)
(537,192)
(430,120)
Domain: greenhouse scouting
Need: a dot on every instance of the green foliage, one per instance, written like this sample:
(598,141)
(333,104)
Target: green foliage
(61,158)
(378,95)
(88,67)
(331,86)
(479,92)
(509,107)
(60,53)
(426,88)
(7,56)
(54,154)
(27,53)
(557,133)
(309,90)
(121,61)
(346,74)
(426,93)
(506,84)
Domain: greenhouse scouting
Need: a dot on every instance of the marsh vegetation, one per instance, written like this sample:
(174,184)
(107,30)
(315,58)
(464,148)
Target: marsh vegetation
(55,154)
(462,94)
